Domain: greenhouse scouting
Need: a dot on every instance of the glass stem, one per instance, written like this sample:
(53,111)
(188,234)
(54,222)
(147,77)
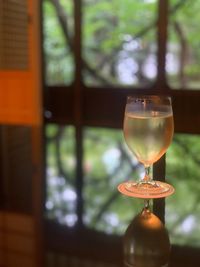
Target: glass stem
(147,177)
(147,204)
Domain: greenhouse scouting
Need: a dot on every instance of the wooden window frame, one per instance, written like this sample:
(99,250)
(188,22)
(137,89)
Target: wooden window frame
(77,105)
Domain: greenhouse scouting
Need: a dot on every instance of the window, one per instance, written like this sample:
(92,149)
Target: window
(94,58)
(118,47)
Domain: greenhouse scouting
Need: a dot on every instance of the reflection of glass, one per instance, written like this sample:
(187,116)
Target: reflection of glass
(146,241)
(148,131)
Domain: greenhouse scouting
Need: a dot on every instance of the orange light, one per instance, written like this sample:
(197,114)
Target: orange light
(19,99)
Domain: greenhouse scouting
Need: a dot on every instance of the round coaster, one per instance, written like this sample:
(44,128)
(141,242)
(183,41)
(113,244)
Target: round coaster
(155,189)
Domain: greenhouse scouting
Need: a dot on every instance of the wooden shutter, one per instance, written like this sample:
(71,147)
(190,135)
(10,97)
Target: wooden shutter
(20,92)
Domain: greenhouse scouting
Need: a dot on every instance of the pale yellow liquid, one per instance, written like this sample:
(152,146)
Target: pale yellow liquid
(148,135)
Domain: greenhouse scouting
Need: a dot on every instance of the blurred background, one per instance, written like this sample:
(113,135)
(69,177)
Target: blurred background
(66,68)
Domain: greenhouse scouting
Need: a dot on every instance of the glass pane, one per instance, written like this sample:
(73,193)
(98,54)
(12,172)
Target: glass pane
(183,54)
(108,162)
(119,48)
(60,173)
(58,33)
(183,172)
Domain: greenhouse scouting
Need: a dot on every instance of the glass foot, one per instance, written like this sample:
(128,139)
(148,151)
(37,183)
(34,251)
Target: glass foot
(154,189)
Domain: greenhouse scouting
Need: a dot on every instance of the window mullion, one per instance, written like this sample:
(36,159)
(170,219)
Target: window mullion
(78,107)
(159,175)
(159,167)
(162,41)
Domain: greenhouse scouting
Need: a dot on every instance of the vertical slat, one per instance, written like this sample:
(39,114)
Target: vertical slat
(37,145)
(162,42)
(78,95)
(3,172)
(1,33)
(159,174)
(159,167)
(17,168)
(38,192)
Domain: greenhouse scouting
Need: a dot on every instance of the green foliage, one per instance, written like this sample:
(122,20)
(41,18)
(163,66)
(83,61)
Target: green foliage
(106,27)
(109,29)
(105,167)
(186,41)
(183,172)
(60,172)
(107,162)
(58,57)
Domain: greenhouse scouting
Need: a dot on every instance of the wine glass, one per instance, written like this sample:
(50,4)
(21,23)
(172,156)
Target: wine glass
(148,131)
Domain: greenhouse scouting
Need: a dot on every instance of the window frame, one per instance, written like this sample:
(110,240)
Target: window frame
(77,104)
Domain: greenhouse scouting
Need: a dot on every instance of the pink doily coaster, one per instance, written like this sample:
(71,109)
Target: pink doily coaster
(147,191)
